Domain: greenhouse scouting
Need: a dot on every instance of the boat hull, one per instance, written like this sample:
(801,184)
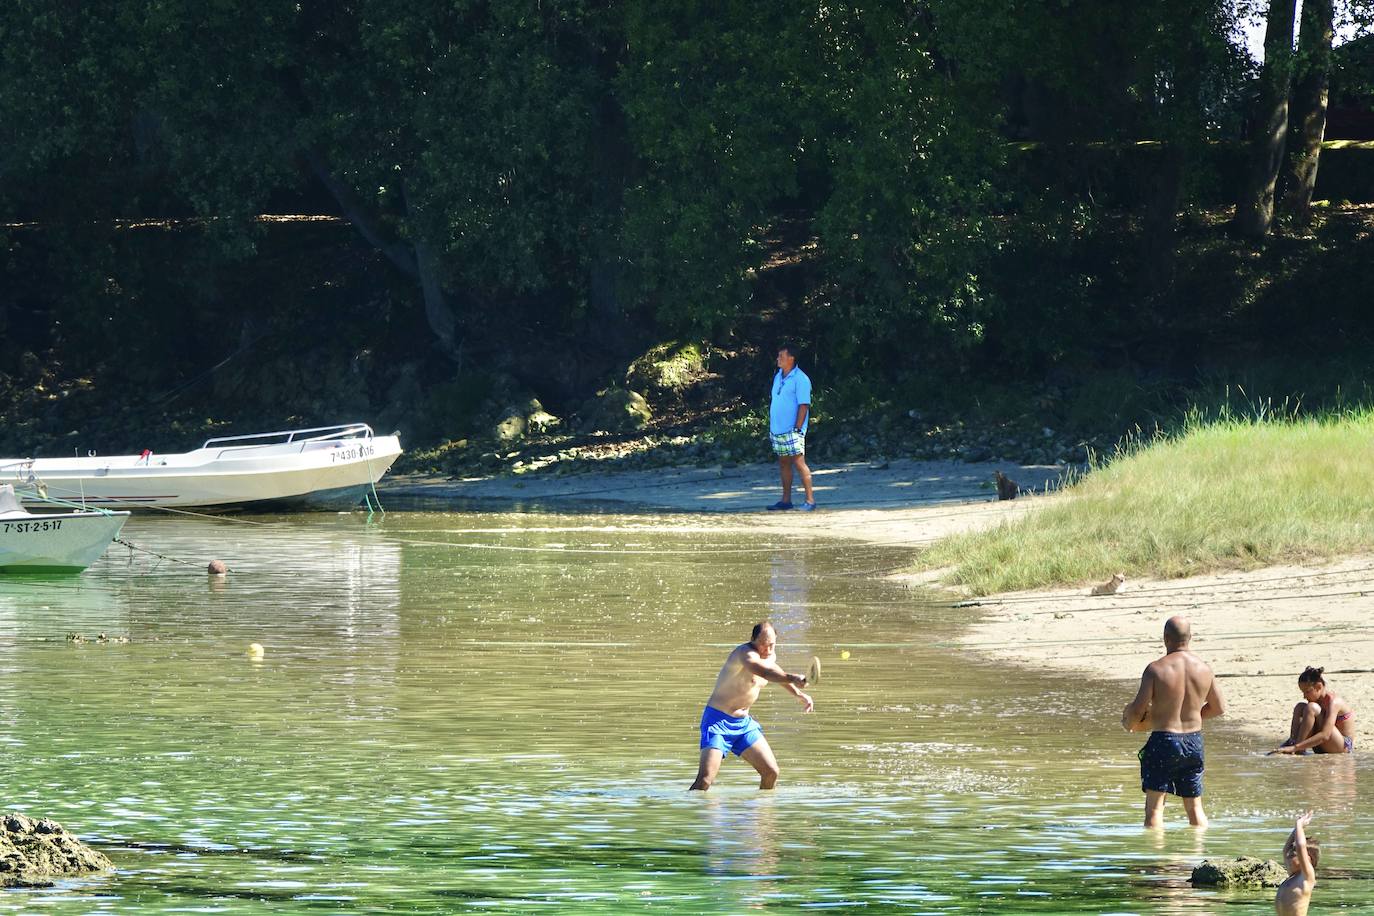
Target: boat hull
(56,543)
(317,474)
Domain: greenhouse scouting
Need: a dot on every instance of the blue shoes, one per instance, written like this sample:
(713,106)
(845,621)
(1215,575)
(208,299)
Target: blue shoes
(779,505)
(808,507)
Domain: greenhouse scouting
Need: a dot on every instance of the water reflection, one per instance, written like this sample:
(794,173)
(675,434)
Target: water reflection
(788,595)
(490,713)
(743,846)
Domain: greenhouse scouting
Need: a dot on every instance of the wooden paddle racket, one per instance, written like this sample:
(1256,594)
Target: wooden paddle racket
(813,672)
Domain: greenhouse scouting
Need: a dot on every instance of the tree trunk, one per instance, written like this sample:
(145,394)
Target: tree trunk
(1255,209)
(438,310)
(1309,107)
(611,158)
(415,260)
(1159,221)
(356,212)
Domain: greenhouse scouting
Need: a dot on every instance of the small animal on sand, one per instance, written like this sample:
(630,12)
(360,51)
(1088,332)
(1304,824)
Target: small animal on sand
(1006,487)
(1116,583)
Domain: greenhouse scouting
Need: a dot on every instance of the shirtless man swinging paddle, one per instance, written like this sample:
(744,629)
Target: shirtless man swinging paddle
(726,724)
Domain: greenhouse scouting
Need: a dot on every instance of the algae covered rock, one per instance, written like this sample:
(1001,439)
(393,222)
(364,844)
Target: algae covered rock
(510,426)
(519,420)
(34,852)
(616,411)
(1245,871)
(668,368)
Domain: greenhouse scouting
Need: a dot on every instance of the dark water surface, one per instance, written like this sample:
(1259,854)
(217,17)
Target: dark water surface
(498,713)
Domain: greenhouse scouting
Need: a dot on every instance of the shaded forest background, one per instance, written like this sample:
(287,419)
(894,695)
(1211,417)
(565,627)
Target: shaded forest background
(220,216)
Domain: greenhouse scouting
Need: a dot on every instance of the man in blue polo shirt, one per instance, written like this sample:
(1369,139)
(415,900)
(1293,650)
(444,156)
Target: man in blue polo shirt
(787,424)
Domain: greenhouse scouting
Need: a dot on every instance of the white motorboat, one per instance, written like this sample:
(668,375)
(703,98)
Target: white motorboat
(60,542)
(323,467)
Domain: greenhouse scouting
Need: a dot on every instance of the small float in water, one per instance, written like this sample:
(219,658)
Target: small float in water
(325,467)
(59,542)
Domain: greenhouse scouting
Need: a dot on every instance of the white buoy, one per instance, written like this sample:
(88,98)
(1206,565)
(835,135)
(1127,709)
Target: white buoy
(256,651)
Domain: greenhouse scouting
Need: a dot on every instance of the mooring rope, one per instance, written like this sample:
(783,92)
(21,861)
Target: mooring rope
(161,556)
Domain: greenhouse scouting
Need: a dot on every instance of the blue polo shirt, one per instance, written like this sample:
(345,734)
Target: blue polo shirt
(790,391)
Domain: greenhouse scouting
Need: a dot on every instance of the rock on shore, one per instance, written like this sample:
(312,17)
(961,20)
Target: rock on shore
(34,852)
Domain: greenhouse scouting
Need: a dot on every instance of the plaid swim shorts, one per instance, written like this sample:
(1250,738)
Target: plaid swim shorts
(789,443)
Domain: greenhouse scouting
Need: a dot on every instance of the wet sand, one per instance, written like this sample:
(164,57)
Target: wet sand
(1258,629)
(900,503)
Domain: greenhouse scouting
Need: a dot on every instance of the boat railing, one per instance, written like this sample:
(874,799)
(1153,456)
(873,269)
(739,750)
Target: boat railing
(287,436)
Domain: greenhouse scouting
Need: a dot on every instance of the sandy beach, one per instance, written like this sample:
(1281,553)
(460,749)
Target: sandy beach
(1257,628)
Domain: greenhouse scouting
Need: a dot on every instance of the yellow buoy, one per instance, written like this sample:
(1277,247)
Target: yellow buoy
(255,650)
(844,655)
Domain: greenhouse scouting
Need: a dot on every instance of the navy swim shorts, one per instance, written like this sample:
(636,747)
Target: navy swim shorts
(1172,762)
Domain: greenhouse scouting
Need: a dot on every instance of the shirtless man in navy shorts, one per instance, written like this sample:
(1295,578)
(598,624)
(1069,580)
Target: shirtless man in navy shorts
(1177,692)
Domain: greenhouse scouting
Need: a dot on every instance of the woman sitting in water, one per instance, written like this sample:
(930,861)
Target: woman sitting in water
(1322,722)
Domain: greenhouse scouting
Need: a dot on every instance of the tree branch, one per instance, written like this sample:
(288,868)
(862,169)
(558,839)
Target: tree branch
(398,253)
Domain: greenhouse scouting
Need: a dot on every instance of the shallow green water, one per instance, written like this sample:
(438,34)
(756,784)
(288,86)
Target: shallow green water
(498,712)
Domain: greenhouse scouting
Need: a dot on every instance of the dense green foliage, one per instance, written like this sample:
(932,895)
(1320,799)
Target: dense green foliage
(543,190)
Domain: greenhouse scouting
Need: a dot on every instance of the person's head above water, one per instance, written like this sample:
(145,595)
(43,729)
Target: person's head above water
(1314,854)
(1177,633)
(763,637)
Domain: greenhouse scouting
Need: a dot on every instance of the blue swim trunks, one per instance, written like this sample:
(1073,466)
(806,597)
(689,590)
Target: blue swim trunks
(728,733)
(1172,762)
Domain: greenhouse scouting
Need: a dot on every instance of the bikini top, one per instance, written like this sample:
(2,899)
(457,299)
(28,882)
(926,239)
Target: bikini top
(1325,703)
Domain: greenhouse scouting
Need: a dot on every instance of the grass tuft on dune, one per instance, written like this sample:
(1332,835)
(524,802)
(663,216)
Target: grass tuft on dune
(1224,493)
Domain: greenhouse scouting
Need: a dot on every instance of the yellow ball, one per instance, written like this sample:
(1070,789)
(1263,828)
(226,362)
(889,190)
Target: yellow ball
(844,655)
(255,650)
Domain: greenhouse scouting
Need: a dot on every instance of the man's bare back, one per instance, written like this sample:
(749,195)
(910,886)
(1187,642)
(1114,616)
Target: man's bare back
(1180,685)
(1177,693)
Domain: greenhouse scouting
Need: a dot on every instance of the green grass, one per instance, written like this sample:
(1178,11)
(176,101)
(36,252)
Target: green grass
(1224,493)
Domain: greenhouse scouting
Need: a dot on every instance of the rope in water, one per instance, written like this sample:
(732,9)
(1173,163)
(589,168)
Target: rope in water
(161,556)
(375,498)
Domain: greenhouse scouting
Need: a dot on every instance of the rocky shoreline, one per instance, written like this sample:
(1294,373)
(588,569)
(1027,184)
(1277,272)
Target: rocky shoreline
(530,444)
